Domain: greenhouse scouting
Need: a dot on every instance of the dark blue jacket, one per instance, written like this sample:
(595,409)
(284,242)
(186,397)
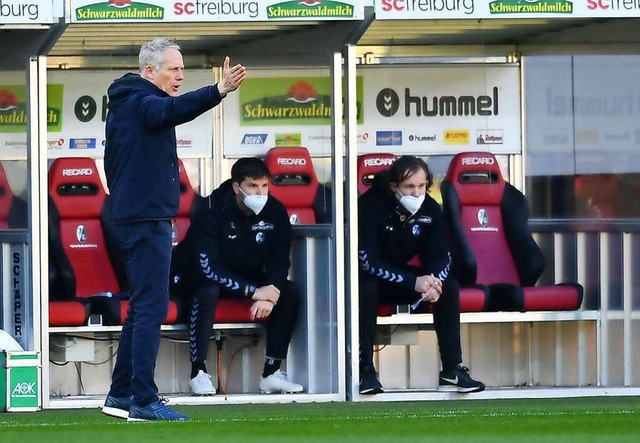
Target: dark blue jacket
(389,237)
(140,160)
(227,246)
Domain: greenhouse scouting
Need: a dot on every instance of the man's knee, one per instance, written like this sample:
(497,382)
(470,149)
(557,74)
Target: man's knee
(451,293)
(204,297)
(207,295)
(369,291)
(289,294)
(452,286)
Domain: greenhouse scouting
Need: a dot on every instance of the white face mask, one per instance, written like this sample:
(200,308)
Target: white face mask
(409,202)
(254,202)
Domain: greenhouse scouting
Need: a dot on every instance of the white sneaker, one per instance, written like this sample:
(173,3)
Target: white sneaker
(201,384)
(277,382)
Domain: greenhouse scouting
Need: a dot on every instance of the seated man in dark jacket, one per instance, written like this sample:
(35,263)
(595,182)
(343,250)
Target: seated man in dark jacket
(239,248)
(404,258)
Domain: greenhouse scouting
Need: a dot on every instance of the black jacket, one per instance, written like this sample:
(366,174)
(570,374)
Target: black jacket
(227,246)
(389,237)
(140,159)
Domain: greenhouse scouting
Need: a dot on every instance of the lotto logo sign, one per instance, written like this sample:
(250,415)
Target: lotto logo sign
(76,172)
(292,161)
(456,137)
(478,161)
(24,389)
(378,162)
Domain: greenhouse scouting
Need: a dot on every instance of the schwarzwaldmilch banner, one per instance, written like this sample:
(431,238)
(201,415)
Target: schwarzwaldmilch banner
(214,10)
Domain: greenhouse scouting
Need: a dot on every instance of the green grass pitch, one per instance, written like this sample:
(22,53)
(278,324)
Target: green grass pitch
(583,420)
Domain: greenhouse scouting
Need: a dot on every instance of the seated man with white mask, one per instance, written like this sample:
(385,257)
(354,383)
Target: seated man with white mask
(240,248)
(404,259)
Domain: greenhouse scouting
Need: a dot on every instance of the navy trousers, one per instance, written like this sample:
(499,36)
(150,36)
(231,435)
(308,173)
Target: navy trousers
(446,316)
(147,252)
(203,298)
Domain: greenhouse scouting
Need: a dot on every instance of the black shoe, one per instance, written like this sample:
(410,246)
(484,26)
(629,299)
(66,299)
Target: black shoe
(369,382)
(458,379)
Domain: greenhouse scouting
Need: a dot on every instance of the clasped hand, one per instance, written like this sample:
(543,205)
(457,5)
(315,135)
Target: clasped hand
(261,309)
(265,298)
(429,287)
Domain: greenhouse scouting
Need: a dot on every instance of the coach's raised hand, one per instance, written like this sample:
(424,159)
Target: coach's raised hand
(232,77)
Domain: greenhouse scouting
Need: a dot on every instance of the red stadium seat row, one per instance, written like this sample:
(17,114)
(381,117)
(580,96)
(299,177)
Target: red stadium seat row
(85,263)
(87,273)
(495,257)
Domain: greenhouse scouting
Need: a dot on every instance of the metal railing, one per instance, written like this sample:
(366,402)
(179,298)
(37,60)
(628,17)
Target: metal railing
(603,256)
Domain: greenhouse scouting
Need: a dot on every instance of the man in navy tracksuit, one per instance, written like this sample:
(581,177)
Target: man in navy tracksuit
(141,167)
(239,248)
(404,259)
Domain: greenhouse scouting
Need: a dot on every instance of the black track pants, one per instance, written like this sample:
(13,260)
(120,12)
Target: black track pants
(201,312)
(446,316)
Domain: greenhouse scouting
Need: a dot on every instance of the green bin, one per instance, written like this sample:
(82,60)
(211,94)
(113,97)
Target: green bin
(19,381)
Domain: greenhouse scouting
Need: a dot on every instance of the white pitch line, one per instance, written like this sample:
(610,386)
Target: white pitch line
(368,417)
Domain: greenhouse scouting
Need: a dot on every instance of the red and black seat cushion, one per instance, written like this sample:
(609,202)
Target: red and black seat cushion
(491,241)
(76,245)
(369,165)
(81,242)
(13,210)
(293,182)
(187,202)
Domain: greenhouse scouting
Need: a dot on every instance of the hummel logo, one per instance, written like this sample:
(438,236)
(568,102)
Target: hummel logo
(453,381)
(387,102)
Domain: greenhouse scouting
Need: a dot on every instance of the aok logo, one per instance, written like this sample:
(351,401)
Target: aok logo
(472,161)
(24,389)
(378,162)
(292,161)
(76,172)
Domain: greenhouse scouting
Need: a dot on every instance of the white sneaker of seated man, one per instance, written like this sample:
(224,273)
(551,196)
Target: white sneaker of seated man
(278,383)
(201,384)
